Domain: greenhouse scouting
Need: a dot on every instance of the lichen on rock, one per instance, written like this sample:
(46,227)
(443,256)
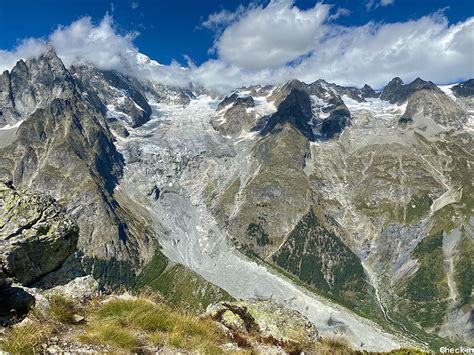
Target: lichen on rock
(36,234)
(264,320)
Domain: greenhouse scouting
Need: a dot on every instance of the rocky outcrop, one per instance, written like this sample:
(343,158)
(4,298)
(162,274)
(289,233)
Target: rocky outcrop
(36,235)
(434,105)
(396,92)
(465,89)
(238,118)
(80,288)
(31,84)
(263,320)
(121,98)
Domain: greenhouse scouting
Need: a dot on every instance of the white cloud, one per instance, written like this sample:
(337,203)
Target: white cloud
(373,4)
(218,21)
(280,42)
(276,43)
(28,48)
(267,37)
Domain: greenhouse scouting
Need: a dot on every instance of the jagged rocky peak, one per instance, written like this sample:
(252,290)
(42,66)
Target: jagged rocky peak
(31,84)
(316,110)
(295,109)
(323,89)
(236,98)
(119,97)
(396,92)
(464,89)
(367,91)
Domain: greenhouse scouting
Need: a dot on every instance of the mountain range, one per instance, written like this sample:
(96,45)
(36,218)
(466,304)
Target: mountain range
(351,206)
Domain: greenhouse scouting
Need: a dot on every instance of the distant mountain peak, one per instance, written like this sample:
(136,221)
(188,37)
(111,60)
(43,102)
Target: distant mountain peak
(398,92)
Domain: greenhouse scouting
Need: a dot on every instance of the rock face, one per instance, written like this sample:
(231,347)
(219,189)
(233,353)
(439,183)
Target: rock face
(120,98)
(65,148)
(465,89)
(435,106)
(32,84)
(265,320)
(296,110)
(397,92)
(36,235)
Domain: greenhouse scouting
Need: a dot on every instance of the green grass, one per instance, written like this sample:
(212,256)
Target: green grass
(126,324)
(24,339)
(187,290)
(111,334)
(61,308)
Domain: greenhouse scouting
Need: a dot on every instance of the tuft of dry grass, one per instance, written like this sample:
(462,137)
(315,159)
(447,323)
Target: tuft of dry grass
(61,309)
(23,339)
(132,324)
(110,334)
(127,323)
(333,346)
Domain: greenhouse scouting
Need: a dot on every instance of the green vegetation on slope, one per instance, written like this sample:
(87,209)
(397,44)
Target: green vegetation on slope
(110,273)
(152,270)
(423,296)
(127,324)
(464,272)
(320,259)
(257,232)
(180,286)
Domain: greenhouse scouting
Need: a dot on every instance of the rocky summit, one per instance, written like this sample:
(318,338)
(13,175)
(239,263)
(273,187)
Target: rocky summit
(280,216)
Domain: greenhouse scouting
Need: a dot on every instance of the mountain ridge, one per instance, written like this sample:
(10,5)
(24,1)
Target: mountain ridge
(152,171)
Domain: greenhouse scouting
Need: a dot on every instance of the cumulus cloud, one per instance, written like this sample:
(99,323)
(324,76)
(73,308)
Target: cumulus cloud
(81,42)
(267,37)
(278,42)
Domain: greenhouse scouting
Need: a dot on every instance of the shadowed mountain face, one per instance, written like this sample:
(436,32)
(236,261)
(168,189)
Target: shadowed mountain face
(296,110)
(398,92)
(361,197)
(316,110)
(465,89)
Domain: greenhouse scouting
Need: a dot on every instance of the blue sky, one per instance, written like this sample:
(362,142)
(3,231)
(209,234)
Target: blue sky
(170,30)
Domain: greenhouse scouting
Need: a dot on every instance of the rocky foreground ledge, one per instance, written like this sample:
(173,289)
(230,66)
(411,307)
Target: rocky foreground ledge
(36,237)
(74,318)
